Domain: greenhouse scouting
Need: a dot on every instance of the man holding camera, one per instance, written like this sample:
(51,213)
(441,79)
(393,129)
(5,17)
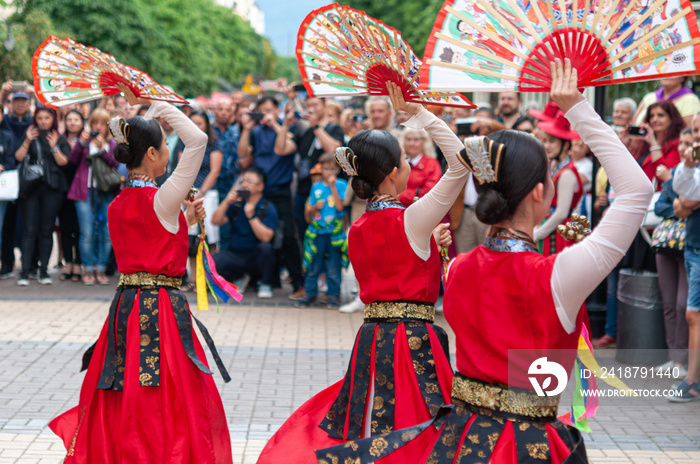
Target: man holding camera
(313,136)
(265,144)
(253,221)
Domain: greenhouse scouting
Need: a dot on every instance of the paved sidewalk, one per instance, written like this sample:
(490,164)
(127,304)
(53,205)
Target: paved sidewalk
(279,356)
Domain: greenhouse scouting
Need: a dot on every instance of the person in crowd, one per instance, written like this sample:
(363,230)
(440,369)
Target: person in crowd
(16,123)
(20,117)
(580,156)
(397,261)
(324,239)
(525,123)
(7,163)
(85,109)
(121,102)
(509,104)
(425,169)
(261,147)
(41,203)
(483,111)
(227,132)
(673,90)
(380,114)
(512,286)
(686,184)
(253,221)
(90,203)
(148,394)
(131,111)
(673,279)
(663,124)
(68,215)
(205,183)
(623,110)
(333,112)
(568,187)
(313,136)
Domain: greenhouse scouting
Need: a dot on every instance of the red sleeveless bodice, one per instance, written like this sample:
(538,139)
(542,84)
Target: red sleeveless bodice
(498,301)
(141,243)
(385,265)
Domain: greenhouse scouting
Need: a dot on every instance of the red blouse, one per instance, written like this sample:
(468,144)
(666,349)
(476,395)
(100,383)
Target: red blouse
(669,158)
(496,301)
(424,175)
(385,265)
(141,243)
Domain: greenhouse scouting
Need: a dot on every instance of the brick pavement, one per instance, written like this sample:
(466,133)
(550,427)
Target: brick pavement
(278,356)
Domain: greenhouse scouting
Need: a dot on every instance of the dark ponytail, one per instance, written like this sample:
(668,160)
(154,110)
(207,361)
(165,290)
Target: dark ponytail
(375,153)
(140,134)
(523,165)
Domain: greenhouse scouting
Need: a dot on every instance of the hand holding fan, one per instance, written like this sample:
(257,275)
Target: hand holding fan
(495,45)
(344,52)
(67,72)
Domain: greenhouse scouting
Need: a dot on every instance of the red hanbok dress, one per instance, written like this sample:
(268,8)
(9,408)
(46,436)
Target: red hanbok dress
(504,285)
(554,242)
(399,373)
(148,395)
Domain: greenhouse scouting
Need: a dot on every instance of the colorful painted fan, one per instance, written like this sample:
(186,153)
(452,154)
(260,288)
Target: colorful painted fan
(344,52)
(67,72)
(493,45)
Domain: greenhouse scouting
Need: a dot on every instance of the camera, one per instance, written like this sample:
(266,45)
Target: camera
(359,118)
(94,133)
(464,126)
(298,115)
(696,153)
(257,117)
(19,86)
(43,133)
(636,130)
(243,195)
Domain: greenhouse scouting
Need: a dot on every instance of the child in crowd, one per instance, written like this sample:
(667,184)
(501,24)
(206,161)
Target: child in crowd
(325,242)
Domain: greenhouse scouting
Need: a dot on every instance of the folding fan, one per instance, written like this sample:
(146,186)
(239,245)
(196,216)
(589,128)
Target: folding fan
(67,72)
(344,52)
(494,45)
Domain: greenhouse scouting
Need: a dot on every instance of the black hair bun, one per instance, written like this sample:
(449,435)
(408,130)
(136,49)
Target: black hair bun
(491,207)
(363,189)
(123,154)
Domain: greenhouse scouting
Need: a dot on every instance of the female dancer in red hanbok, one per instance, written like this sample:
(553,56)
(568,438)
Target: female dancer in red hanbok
(399,373)
(510,307)
(148,395)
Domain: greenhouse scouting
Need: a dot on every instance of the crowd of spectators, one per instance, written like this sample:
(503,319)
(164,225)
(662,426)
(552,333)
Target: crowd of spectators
(278,207)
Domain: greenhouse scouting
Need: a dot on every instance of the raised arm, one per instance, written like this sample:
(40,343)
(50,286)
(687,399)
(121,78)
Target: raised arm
(422,216)
(173,192)
(579,269)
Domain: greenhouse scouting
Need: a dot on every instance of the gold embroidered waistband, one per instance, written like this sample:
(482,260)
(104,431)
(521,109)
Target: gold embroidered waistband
(501,398)
(144,279)
(400,310)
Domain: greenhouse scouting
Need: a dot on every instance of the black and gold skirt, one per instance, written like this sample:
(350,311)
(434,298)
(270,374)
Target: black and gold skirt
(485,423)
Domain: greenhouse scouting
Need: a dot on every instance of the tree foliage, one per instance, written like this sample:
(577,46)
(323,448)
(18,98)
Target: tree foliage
(190,45)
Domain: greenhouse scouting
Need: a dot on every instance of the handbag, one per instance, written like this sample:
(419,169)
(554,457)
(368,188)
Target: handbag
(9,185)
(669,237)
(31,175)
(105,177)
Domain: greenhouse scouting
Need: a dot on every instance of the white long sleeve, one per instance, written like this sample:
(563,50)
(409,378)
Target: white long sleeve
(566,187)
(424,215)
(686,182)
(579,269)
(173,192)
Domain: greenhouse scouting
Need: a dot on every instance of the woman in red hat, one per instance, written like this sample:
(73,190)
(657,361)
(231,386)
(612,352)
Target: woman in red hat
(567,182)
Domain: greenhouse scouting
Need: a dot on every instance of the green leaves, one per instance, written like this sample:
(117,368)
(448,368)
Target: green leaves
(190,45)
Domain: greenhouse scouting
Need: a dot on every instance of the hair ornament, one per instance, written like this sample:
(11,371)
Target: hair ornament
(119,129)
(483,158)
(341,157)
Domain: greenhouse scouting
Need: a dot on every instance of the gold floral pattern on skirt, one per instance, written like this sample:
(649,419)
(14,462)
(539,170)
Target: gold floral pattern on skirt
(145,279)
